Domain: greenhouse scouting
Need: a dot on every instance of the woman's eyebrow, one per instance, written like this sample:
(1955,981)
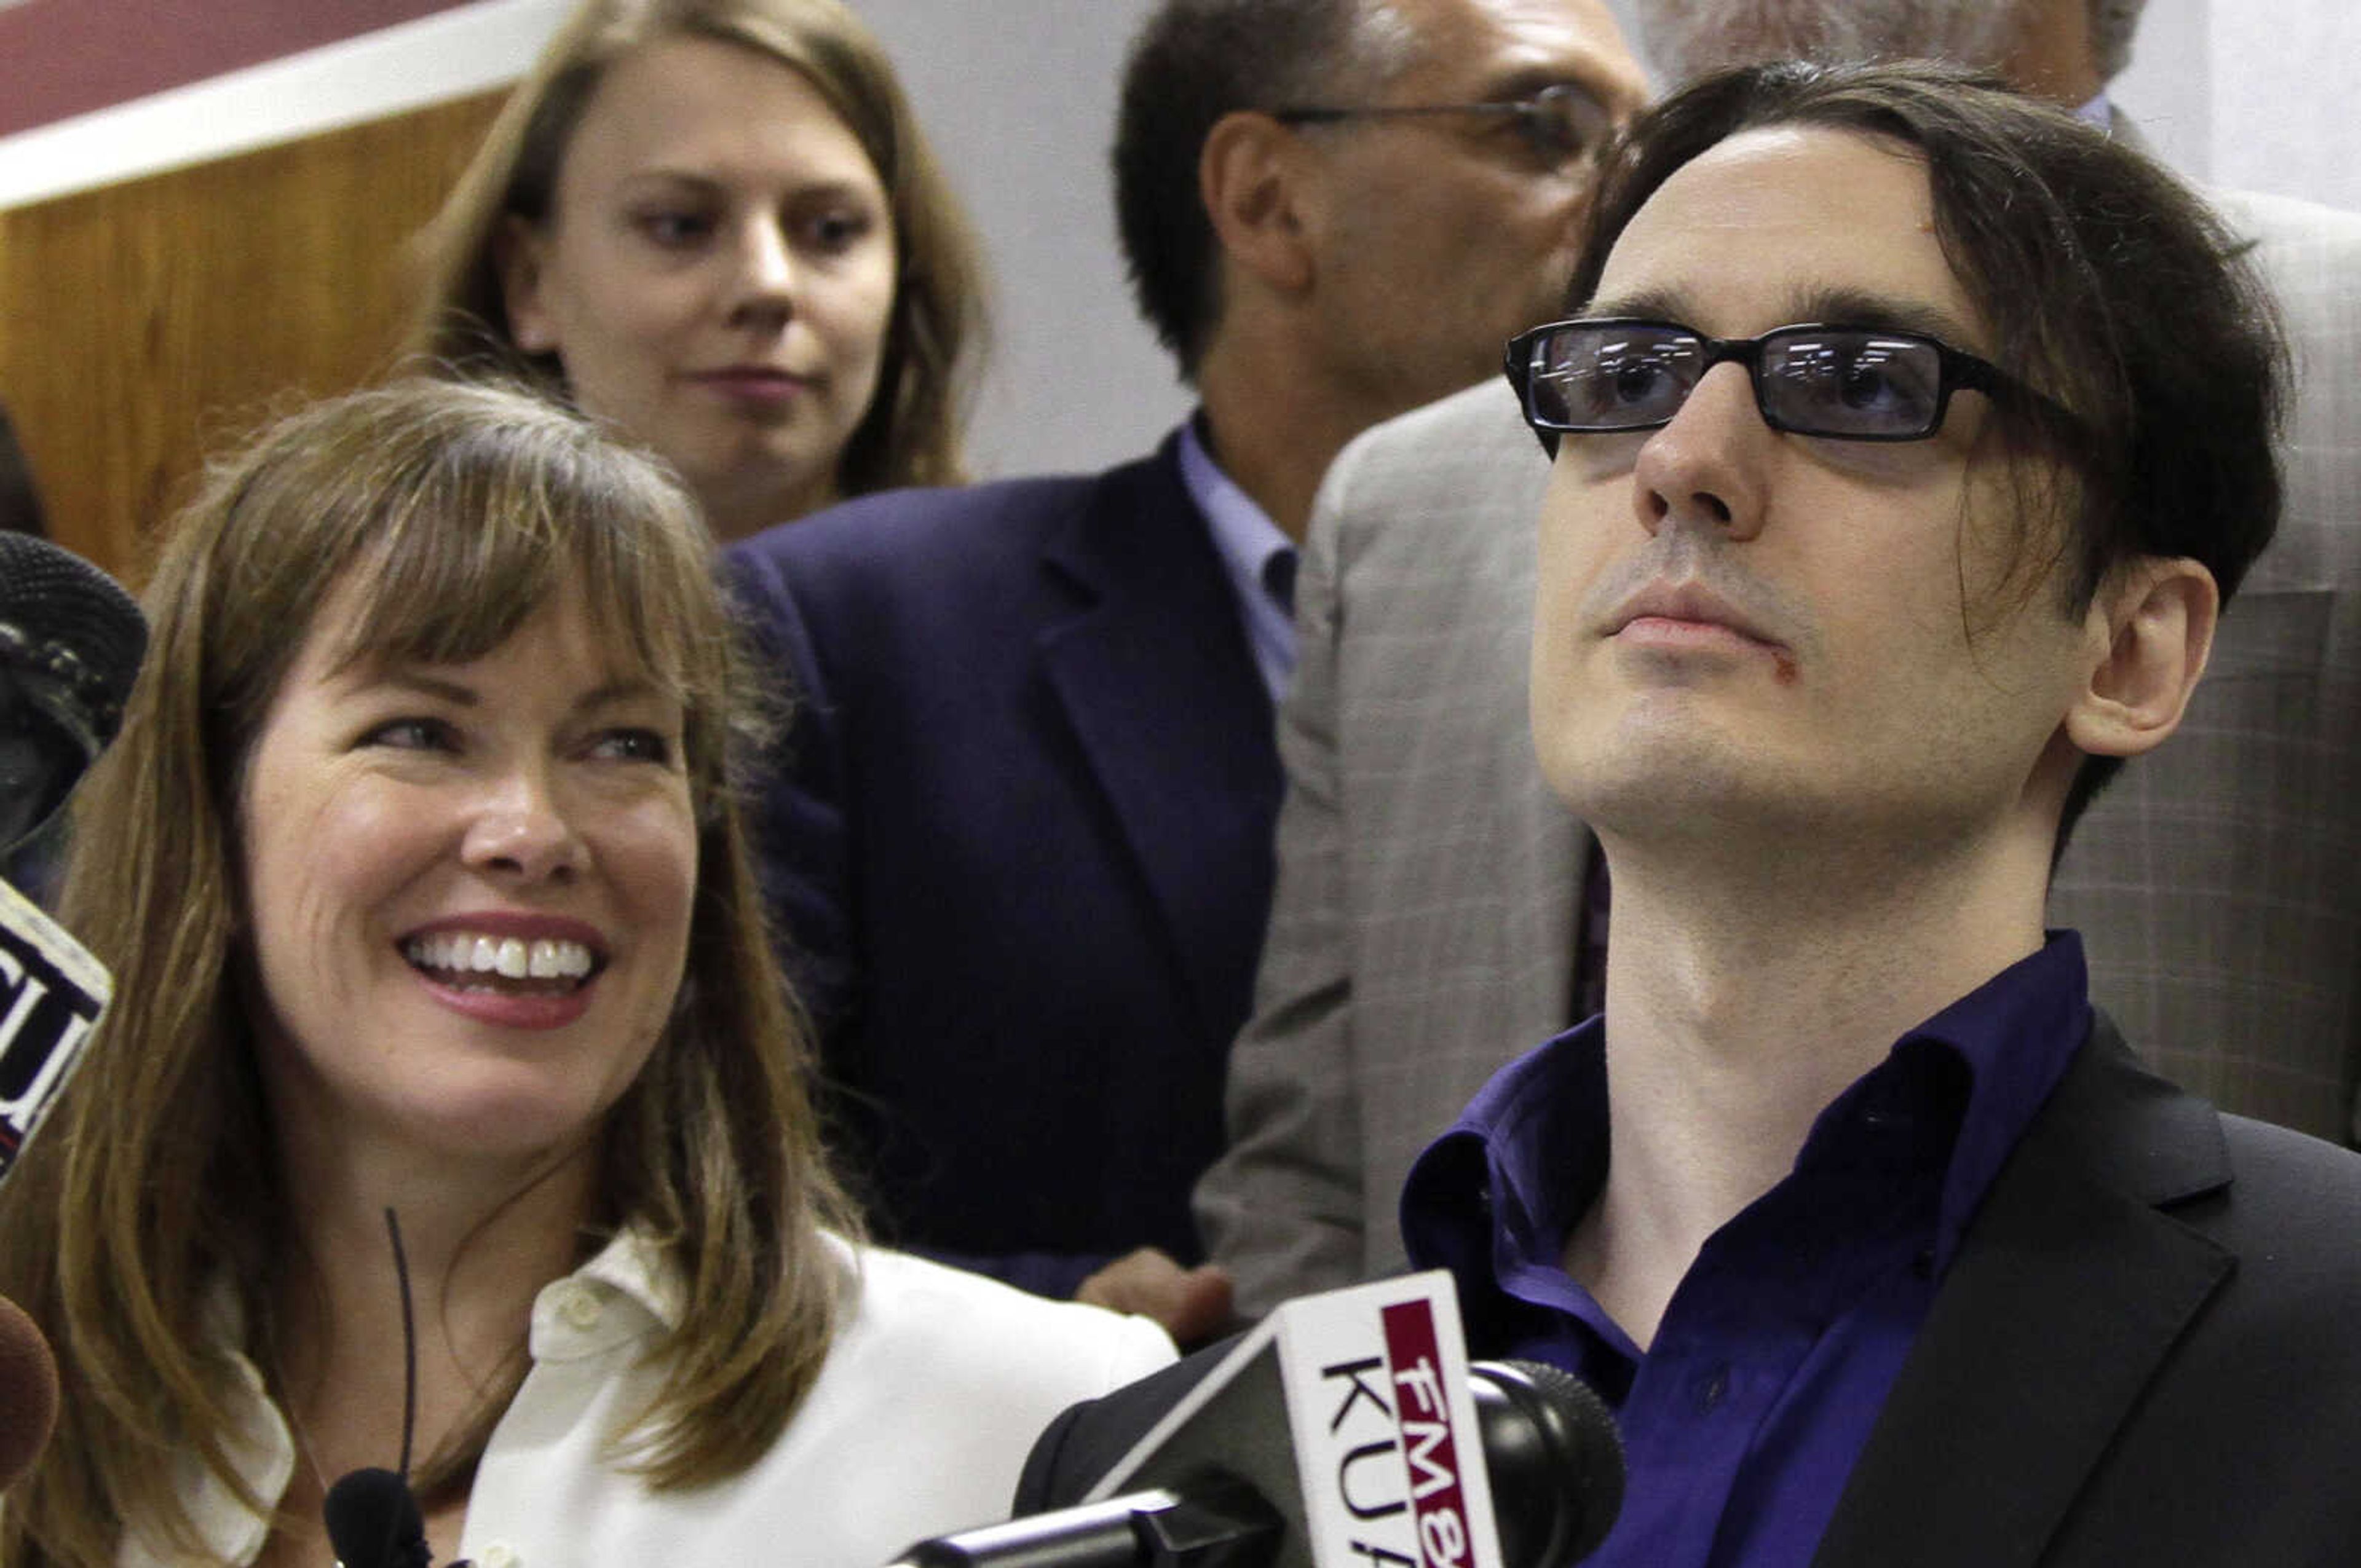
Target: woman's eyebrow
(361,672)
(622,689)
(607,694)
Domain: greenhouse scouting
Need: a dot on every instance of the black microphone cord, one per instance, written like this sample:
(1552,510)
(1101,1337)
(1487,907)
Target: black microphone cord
(371,1514)
(409,1344)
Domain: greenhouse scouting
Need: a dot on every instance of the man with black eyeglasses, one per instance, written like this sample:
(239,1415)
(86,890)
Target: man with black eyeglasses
(1438,907)
(1908,438)
(1021,853)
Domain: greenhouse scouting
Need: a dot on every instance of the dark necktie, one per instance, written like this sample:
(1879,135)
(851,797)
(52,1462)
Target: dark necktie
(1278,579)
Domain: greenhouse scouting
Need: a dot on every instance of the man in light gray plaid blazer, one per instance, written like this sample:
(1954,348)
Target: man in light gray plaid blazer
(1424,927)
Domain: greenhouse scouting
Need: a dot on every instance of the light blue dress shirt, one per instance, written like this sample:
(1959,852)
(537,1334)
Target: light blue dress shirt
(1258,559)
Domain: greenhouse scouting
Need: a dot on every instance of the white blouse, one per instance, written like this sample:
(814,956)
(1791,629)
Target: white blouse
(932,1396)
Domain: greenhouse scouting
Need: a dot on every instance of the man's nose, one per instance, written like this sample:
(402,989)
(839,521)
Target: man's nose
(1706,467)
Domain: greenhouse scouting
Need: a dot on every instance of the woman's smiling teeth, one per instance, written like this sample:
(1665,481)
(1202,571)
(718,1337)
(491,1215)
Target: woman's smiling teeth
(499,962)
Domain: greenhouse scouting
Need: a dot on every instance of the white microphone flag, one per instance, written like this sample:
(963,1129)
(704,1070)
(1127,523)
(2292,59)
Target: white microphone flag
(1369,1387)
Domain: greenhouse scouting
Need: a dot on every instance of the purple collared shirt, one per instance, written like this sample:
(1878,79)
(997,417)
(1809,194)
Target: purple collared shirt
(1743,1418)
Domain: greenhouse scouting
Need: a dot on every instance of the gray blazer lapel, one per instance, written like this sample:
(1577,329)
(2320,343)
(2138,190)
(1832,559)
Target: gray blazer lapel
(2068,1294)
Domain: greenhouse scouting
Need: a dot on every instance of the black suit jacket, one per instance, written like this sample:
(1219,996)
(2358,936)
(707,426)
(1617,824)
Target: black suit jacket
(1021,847)
(2148,1351)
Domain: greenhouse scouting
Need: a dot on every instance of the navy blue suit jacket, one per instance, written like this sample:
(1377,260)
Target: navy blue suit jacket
(1020,841)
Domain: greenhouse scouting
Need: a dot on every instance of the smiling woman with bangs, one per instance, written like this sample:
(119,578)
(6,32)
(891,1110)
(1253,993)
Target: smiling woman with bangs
(419,869)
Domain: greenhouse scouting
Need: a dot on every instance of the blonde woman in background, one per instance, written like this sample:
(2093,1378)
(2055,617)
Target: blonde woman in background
(716,227)
(419,868)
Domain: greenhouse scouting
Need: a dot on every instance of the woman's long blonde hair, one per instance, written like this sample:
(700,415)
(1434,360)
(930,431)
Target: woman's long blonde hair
(154,1190)
(911,435)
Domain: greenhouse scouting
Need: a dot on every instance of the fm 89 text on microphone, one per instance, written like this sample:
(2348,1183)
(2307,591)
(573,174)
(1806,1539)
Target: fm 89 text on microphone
(1347,1429)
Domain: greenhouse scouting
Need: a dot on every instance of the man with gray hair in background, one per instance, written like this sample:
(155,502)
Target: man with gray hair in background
(1020,852)
(2067,51)
(1438,909)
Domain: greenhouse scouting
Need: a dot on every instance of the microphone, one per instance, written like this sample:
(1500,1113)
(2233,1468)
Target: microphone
(1334,1434)
(70,641)
(1555,1459)
(51,992)
(372,1514)
(29,1393)
(373,1520)
(1549,1442)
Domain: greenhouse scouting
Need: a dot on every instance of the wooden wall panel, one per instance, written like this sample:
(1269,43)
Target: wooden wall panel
(144,324)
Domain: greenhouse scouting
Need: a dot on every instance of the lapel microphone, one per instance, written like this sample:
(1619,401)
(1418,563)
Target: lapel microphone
(371,1514)
(374,1522)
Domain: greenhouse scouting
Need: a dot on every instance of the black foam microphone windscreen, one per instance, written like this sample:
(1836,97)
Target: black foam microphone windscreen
(373,1521)
(1555,1457)
(29,1393)
(70,641)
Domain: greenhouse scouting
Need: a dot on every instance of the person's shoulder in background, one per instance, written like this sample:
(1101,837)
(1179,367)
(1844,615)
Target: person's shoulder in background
(943,1379)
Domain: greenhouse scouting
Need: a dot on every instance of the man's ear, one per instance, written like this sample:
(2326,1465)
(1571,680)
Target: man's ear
(517,248)
(1249,176)
(2150,628)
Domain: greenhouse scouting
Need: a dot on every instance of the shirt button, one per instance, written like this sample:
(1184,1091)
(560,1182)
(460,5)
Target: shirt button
(500,1556)
(1711,1390)
(579,1305)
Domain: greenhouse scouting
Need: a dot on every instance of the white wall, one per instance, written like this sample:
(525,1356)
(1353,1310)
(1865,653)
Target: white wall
(1019,97)
(2285,117)
(2169,88)
(2254,95)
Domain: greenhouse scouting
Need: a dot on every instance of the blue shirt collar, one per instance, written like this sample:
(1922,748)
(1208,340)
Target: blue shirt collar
(1496,1197)
(1743,1419)
(1248,542)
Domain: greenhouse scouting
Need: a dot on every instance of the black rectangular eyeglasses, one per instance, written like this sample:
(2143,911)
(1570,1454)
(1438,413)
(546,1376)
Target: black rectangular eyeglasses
(1558,122)
(1847,383)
